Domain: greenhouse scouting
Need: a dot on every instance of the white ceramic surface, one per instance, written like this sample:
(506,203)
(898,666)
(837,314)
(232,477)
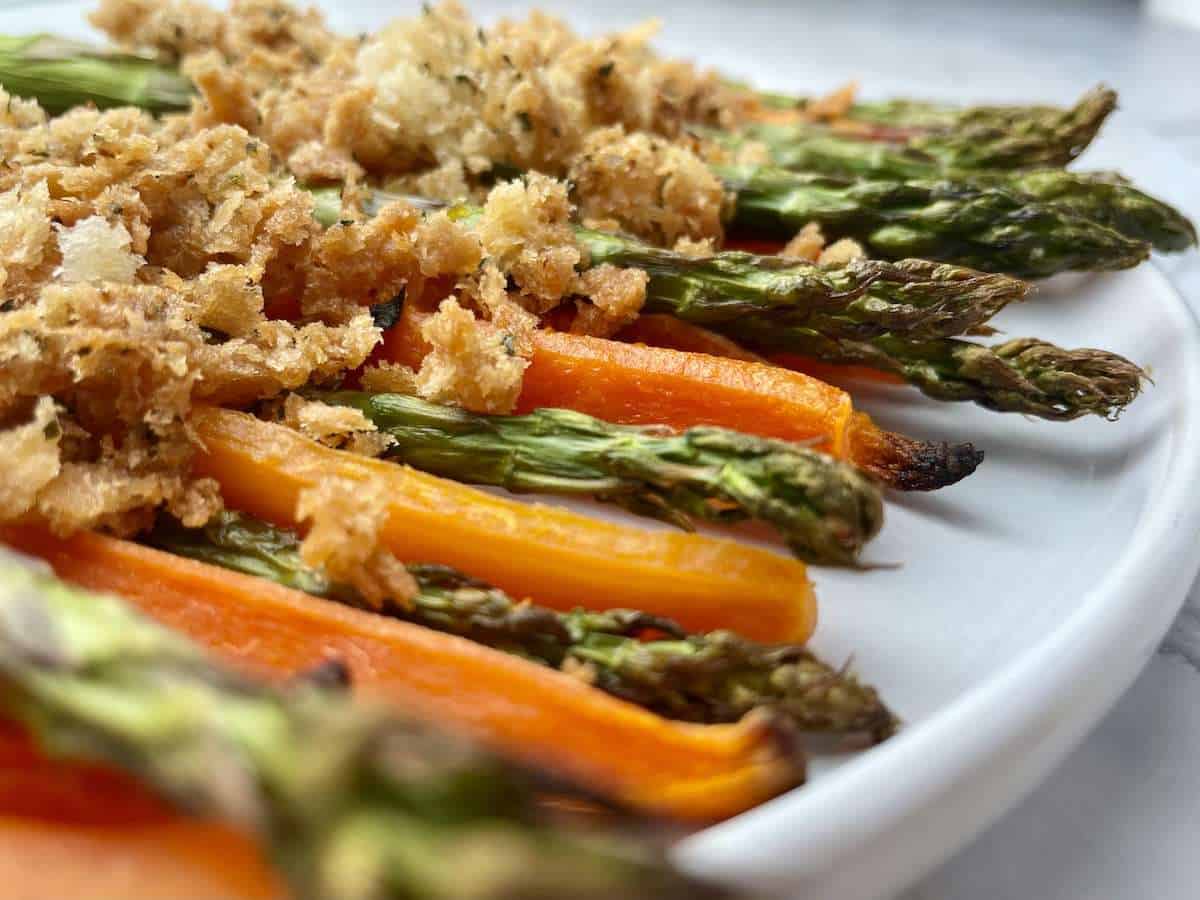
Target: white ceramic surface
(1028,598)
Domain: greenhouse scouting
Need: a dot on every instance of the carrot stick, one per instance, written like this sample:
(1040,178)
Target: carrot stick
(559,558)
(679,388)
(522,709)
(660,330)
(637,384)
(74,829)
(177,858)
(835,373)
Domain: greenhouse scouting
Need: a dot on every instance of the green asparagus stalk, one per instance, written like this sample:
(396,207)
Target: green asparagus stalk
(1103,198)
(971,223)
(352,802)
(825,510)
(61,74)
(1079,382)
(920,299)
(1024,375)
(714,677)
(907,139)
(1107,198)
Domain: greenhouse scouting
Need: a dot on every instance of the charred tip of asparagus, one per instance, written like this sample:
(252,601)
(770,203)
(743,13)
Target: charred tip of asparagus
(1075,382)
(1084,119)
(906,464)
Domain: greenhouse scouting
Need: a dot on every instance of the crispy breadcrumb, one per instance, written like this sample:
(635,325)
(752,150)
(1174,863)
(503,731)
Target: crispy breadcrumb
(343,539)
(340,427)
(841,252)
(526,229)
(31,457)
(472,363)
(388,378)
(434,102)
(807,244)
(94,250)
(654,188)
(617,296)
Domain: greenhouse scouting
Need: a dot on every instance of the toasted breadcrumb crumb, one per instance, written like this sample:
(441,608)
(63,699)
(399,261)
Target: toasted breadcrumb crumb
(24,234)
(471,363)
(94,250)
(31,458)
(656,189)
(388,378)
(807,244)
(343,539)
(834,105)
(695,249)
(617,296)
(340,427)
(841,252)
(526,229)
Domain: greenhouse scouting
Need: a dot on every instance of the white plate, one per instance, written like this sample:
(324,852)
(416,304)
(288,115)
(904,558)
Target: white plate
(1029,595)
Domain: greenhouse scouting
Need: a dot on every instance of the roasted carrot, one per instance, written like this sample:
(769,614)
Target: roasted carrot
(75,829)
(558,558)
(659,330)
(176,858)
(638,384)
(833,372)
(545,717)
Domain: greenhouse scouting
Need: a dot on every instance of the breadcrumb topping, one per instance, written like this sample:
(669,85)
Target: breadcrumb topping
(656,189)
(472,363)
(617,297)
(435,102)
(340,427)
(95,250)
(809,245)
(345,518)
(31,454)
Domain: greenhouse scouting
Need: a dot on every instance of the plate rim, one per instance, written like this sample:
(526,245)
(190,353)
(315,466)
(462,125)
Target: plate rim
(854,851)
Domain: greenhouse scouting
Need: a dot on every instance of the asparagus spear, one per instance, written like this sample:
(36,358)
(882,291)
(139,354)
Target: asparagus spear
(714,677)
(1080,382)
(1023,375)
(921,299)
(983,226)
(825,509)
(917,298)
(61,74)
(1103,198)
(352,802)
(907,139)
(970,222)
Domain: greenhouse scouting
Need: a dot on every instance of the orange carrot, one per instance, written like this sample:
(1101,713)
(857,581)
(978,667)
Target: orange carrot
(559,558)
(73,829)
(636,384)
(177,858)
(833,372)
(658,330)
(522,709)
